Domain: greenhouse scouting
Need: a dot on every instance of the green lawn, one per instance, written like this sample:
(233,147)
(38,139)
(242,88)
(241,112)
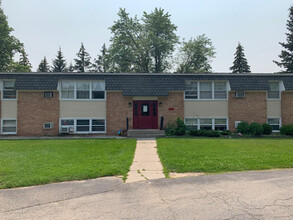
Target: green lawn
(33,162)
(224,155)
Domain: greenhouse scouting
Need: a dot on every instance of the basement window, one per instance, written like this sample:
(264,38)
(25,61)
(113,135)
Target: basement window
(275,123)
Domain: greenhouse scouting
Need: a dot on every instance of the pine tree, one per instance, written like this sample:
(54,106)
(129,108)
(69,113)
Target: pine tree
(287,54)
(24,62)
(240,64)
(59,64)
(70,68)
(101,64)
(44,66)
(83,62)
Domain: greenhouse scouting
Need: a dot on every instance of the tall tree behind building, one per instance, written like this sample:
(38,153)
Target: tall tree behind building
(83,60)
(240,64)
(286,55)
(59,63)
(44,66)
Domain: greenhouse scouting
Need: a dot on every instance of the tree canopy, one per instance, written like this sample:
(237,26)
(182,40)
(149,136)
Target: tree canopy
(286,55)
(195,55)
(9,46)
(240,64)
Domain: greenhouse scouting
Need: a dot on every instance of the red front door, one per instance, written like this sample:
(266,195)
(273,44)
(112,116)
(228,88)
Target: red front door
(145,114)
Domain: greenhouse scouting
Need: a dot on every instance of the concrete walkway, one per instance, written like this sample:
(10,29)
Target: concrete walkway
(146,164)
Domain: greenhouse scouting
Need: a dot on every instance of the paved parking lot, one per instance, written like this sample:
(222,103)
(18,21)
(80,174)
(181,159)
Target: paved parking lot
(247,195)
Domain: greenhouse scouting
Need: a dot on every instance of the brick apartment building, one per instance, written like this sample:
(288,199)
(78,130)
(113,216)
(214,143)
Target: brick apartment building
(36,104)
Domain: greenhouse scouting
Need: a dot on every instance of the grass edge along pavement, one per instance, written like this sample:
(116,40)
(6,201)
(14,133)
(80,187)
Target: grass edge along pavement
(36,162)
(210,155)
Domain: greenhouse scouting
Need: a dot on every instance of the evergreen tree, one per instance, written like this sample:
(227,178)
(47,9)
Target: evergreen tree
(44,66)
(59,64)
(23,65)
(83,62)
(9,45)
(240,64)
(70,68)
(101,64)
(287,54)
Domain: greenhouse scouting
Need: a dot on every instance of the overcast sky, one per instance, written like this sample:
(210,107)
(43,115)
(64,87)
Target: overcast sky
(259,25)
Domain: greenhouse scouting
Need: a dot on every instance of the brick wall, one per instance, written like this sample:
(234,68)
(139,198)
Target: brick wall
(117,110)
(287,108)
(174,101)
(252,108)
(33,110)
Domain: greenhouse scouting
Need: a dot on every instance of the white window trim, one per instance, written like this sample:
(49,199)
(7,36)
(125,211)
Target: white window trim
(4,119)
(2,85)
(83,132)
(213,121)
(280,91)
(280,123)
(213,91)
(75,90)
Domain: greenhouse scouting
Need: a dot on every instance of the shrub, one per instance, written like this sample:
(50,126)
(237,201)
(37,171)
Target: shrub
(286,130)
(193,133)
(181,128)
(225,132)
(170,129)
(267,129)
(255,129)
(243,127)
(214,134)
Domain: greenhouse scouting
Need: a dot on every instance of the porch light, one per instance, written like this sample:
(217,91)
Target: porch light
(160,104)
(129,104)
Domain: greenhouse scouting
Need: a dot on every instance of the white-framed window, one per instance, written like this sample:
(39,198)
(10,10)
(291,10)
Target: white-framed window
(275,123)
(9,91)
(220,90)
(206,123)
(191,123)
(67,90)
(48,125)
(191,90)
(206,90)
(9,126)
(98,90)
(220,124)
(83,125)
(82,90)
(274,92)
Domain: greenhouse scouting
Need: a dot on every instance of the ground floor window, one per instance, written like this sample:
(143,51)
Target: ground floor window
(82,126)
(275,123)
(9,126)
(206,123)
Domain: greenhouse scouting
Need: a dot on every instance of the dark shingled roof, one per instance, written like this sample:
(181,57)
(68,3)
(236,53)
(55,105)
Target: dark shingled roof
(146,84)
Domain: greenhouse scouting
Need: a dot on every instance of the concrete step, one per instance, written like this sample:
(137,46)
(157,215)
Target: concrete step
(145,133)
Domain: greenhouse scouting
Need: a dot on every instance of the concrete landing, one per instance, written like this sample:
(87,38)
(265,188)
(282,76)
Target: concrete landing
(146,164)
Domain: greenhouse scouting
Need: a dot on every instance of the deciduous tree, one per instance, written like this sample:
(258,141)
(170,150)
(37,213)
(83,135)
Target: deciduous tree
(195,55)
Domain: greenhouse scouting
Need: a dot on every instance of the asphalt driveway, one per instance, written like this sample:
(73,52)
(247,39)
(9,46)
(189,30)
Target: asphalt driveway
(246,195)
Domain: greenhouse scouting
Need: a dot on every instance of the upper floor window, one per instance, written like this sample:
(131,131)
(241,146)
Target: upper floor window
(191,90)
(206,90)
(220,90)
(9,91)
(274,92)
(83,90)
